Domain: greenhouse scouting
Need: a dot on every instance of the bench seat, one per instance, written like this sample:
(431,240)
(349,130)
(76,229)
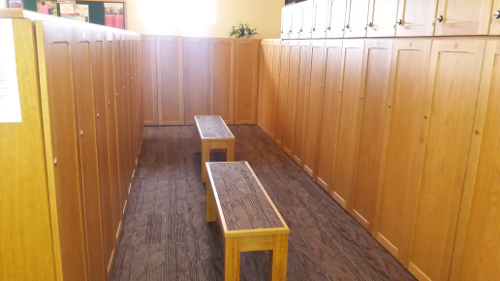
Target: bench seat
(248,218)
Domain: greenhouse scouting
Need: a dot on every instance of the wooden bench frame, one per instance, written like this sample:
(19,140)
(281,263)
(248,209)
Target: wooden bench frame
(208,143)
(237,241)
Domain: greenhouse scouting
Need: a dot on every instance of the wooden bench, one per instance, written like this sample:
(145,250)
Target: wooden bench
(248,218)
(214,134)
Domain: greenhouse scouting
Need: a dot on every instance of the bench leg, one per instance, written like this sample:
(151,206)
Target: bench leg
(230,151)
(205,157)
(197,143)
(211,208)
(279,257)
(231,259)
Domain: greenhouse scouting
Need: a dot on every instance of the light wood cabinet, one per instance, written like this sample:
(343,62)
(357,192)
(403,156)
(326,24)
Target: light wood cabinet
(321,17)
(454,82)
(374,90)
(222,79)
(382,18)
(196,78)
(302,97)
(408,111)
(330,116)
(336,22)
(416,18)
(169,65)
(302,20)
(291,98)
(356,21)
(282,91)
(495,18)
(463,17)
(68,189)
(349,121)
(314,109)
(149,87)
(478,252)
(246,81)
(268,86)
(286,21)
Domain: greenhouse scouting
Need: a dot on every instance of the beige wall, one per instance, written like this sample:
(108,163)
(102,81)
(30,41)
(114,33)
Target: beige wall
(3,4)
(190,18)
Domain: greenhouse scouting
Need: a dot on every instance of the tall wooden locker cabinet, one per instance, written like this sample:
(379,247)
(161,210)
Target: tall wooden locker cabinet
(68,160)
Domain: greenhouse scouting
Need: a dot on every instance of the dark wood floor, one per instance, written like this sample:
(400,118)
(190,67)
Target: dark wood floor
(165,236)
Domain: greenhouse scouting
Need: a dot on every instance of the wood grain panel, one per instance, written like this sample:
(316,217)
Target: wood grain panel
(282,91)
(454,83)
(463,17)
(481,253)
(304,66)
(246,81)
(25,191)
(267,99)
(330,116)
(314,110)
(222,79)
(374,87)
(403,152)
(196,78)
(86,128)
(417,17)
(58,101)
(170,77)
(348,133)
(149,87)
(291,100)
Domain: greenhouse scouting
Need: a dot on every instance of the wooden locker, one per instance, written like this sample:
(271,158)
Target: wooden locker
(282,91)
(463,17)
(477,254)
(337,19)
(246,81)
(314,109)
(222,79)
(453,80)
(349,122)
(416,18)
(87,144)
(404,146)
(304,65)
(169,65)
(196,78)
(374,88)
(495,18)
(331,111)
(291,98)
(101,114)
(382,16)
(149,87)
(356,18)
(59,101)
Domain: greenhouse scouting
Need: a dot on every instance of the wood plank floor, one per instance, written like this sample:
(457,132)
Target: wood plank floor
(165,236)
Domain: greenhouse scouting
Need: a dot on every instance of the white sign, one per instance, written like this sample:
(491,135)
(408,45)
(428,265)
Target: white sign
(82,12)
(10,105)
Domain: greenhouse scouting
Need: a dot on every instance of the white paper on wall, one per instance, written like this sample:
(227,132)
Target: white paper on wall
(10,105)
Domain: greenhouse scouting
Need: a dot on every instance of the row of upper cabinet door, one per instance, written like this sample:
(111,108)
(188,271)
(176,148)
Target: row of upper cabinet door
(402,133)
(197,76)
(387,18)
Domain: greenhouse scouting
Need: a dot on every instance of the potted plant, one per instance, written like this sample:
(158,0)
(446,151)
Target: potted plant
(242,30)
